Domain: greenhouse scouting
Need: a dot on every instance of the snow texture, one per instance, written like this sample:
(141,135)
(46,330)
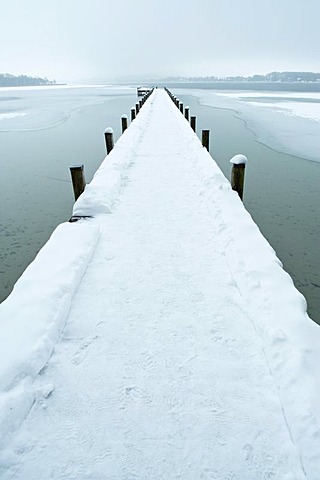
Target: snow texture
(187,351)
(34,315)
(239,159)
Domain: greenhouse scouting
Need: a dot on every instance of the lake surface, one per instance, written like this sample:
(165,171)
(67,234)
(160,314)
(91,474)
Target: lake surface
(59,128)
(43,132)
(281,190)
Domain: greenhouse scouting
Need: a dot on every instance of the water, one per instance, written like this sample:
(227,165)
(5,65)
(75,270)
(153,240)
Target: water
(281,191)
(257,86)
(35,187)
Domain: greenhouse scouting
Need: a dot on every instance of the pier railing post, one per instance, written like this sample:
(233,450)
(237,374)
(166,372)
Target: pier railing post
(205,138)
(137,108)
(193,123)
(186,113)
(181,107)
(124,122)
(133,114)
(108,135)
(237,173)
(78,180)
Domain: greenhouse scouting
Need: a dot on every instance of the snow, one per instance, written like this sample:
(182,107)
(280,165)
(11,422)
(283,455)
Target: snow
(109,130)
(34,315)
(287,122)
(9,115)
(239,159)
(187,351)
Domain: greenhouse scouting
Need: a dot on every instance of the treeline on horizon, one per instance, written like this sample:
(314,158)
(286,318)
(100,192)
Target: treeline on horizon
(8,80)
(269,77)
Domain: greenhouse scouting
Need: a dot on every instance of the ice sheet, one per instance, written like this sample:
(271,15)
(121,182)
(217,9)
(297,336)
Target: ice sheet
(286,121)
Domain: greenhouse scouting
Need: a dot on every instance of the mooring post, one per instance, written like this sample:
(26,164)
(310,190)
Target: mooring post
(193,123)
(237,173)
(205,138)
(108,135)
(124,122)
(186,113)
(137,108)
(78,180)
(140,104)
(133,114)
(181,107)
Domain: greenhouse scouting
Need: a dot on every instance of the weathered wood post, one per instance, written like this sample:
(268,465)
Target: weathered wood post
(78,180)
(186,113)
(205,139)
(137,108)
(140,104)
(133,114)
(237,173)
(108,135)
(181,107)
(124,122)
(193,123)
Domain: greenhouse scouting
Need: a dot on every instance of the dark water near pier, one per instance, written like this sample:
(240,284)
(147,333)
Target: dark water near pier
(281,192)
(35,187)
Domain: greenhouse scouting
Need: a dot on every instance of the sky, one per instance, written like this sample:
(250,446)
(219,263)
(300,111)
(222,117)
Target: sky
(98,40)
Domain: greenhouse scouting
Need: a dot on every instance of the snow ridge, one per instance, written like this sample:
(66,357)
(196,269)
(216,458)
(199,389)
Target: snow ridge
(33,317)
(102,194)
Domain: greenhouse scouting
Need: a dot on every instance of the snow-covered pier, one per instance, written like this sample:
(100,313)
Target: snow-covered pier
(160,338)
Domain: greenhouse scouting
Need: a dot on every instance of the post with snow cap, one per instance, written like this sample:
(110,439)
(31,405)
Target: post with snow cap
(237,173)
(181,107)
(133,114)
(186,113)
(124,122)
(137,108)
(205,139)
(78,181)
(108,135)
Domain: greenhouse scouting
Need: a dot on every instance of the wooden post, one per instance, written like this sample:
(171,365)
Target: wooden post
(237,173)
(137,108)
(124,122)
(181,107)
(133,114)
(205,139)
(193,123)
(186,113)
(78,181)
(140,104)
(108,135)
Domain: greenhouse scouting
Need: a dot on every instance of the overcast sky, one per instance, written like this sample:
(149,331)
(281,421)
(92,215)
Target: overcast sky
(72,40)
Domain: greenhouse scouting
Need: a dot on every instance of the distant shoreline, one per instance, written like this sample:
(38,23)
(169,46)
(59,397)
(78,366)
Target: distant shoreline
(232,85)
(40,85)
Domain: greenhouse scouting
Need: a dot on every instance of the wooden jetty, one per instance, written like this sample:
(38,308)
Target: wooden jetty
(157,336)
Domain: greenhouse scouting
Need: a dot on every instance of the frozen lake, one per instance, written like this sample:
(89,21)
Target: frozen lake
(280,134)
(44,131)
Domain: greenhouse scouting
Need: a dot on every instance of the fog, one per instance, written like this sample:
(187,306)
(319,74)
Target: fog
(101,40)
